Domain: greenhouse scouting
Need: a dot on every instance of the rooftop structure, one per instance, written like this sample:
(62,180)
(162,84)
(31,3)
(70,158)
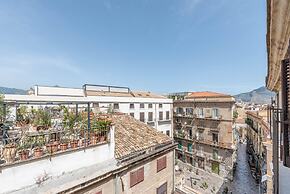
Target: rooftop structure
(129,147)
(153,109)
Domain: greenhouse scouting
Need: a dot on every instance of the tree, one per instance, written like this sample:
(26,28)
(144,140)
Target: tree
(2,109)
(235,115)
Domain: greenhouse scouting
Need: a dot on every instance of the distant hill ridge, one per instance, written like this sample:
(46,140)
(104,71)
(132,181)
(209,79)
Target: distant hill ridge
(258,96)
(5,90)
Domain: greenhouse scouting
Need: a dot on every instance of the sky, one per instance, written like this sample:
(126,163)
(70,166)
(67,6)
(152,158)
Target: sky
(148,45)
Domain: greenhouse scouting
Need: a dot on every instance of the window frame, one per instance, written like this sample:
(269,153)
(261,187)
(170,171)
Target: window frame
(161,163)
(143,118)
(136,177)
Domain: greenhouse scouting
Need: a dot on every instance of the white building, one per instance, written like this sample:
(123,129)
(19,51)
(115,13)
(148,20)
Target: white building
(155,110)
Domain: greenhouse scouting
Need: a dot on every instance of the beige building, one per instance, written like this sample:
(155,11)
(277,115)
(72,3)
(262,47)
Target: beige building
(134,159)
(203,126)
(258,132)
(277,80)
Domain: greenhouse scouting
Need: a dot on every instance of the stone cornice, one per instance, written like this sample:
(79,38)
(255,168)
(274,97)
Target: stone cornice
(278,35)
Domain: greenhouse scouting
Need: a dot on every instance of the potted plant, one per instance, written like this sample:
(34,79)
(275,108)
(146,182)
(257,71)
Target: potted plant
(64,144)
(42,119)
(23,150)
(9,153)
(55,145)
(102,129)
(38,147)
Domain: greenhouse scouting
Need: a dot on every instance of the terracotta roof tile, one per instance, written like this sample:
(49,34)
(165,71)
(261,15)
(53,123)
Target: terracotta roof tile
(132,136)
(206,94)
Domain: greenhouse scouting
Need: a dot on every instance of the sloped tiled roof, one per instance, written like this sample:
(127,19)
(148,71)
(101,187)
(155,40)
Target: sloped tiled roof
(132,136)
(206,95)
(124,94)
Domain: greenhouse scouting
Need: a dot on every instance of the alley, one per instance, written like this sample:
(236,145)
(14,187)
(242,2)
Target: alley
(243,181)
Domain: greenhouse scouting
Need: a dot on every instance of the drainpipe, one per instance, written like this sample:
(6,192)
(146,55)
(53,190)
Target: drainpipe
(173,158)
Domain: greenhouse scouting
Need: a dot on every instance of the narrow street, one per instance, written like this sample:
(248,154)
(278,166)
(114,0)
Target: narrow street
(243,181)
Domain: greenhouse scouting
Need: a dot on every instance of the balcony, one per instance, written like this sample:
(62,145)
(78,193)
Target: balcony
(200,154)
(151,123)
(216,158)
(164,122)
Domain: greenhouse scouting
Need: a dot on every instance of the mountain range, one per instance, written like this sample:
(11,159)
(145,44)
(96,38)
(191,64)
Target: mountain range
(258,96)
(5,90)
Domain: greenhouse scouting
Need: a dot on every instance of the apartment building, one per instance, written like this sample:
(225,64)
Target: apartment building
(258,133)
(152,109)
(277,80)
(135,158)
(203,128)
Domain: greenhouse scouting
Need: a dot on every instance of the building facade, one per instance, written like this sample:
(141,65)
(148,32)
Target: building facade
(203,128)
(258,134)
(135,158)
(154,110)
(277,80)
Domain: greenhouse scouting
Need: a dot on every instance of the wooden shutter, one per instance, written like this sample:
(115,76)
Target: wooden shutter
(133,178)
(285,85)
(140,175)
(136,177)
(161,164)
(162,189)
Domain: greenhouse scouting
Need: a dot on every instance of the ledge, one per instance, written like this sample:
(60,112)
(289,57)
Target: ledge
(48,156)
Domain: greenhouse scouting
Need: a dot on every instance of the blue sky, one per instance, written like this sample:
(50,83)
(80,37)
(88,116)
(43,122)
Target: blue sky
(155,45)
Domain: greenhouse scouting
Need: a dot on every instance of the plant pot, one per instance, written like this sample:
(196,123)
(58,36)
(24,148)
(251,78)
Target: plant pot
(9,153)
(102,138)
(23,154)
(74,144)
(49,148)
(85,142)
(63,146)
(55,146)
(38,152)
(94,140)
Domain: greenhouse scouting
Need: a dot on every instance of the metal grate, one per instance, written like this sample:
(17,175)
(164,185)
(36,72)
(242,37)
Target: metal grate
(285,85)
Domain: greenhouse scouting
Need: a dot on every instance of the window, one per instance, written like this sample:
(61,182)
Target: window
(160,115)
(150,116)
(142,117)
(200,163)
(167,115)
(131,106)
(161,164)
(189,147)
(116,106)
(132,114)
(150,106)
(215,167)
(180,145)
(199,134)
(215,137)
(162,189)
(168,133)
(215,154)
(215,113)
(179,110)
(160,105)
(142,105)
(191,161)
(189,111)
(136,177)
(200,112)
